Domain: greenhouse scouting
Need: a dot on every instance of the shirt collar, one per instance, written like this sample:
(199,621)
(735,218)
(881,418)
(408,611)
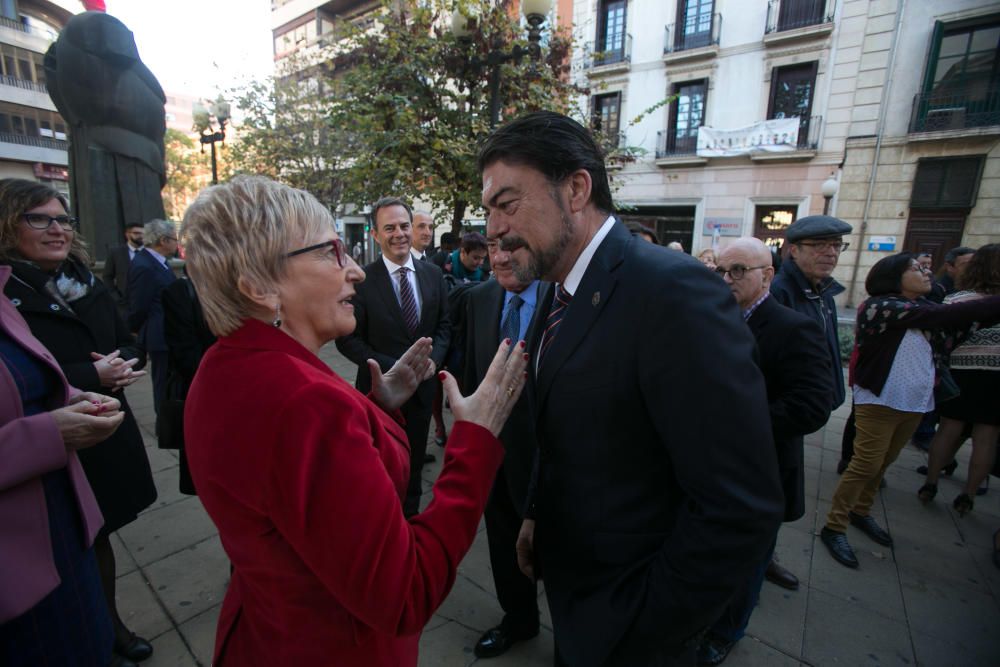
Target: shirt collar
(529,295)
(575,275)
(393,267)
(157,256)
(417,254)
(753,306)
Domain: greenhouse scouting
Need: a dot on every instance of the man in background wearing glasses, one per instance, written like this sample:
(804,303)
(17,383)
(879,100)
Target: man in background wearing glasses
(795,363)
(805,283)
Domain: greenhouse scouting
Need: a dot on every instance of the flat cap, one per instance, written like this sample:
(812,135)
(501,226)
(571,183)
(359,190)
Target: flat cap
(816,227)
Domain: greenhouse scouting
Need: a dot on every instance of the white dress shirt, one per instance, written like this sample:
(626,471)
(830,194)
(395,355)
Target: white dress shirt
(411,276)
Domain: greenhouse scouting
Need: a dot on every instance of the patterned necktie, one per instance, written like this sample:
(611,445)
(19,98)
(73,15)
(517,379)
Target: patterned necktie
(511,327)
(559,306)
(407,301)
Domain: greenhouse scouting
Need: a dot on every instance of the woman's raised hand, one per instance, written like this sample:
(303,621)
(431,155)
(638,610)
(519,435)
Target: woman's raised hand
(495,398)
(399,382)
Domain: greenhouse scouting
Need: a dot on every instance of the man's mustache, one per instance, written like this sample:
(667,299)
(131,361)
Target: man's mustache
(512,243)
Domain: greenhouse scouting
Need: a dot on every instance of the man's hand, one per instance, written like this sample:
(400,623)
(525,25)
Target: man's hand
(526,548)
(398,384)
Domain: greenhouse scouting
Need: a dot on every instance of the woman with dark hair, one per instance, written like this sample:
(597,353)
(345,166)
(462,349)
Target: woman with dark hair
(902,340)
(75,316)
(975,367)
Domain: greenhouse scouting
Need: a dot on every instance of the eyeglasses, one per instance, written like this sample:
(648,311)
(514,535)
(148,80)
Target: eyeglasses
(170,238)
(738,271)
(338,248)
(822,246)
(42,221)
(918,268)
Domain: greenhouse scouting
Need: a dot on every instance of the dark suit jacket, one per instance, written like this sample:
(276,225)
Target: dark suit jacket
(658,490)
(115,275)
(381,332)
(146,279)
(795,363)
(485,307)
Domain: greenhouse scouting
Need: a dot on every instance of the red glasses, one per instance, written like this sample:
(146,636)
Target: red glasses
(338,248)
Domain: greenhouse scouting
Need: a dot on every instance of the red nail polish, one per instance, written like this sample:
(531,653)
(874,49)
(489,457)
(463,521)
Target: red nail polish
(525,356)
(523,345)
(441,376)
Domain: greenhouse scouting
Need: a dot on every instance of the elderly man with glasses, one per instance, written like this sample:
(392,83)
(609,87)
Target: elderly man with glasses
(805,283)
(795,364)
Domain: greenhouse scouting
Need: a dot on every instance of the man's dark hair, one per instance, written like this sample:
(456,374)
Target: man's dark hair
(886,277)
(555,145)
(386,202)
(955,253)
(132,225)
(473,241)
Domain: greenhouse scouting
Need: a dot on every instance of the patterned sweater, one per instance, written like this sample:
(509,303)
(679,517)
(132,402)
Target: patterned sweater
(981,350)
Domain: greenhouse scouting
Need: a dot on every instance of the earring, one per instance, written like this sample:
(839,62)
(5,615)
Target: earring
(276,322)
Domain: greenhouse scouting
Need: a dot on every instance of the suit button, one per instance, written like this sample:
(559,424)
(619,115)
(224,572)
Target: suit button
(16,302)
(53,306)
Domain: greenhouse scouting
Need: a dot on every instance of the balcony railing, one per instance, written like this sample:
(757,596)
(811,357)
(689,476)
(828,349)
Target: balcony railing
(809,132)
(790,14)
(11,24)
(38,142)
(683,37)
(9,80)
(934,112)
(665,147)
(594,58)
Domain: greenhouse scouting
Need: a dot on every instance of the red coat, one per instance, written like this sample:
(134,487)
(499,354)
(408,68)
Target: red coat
(303,476)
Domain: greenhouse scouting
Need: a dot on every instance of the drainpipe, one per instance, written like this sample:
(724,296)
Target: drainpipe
(878,149)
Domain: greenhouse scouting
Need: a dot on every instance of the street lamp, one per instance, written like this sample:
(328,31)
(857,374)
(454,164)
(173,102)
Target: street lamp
(829,189)
(462,26)
(209,135)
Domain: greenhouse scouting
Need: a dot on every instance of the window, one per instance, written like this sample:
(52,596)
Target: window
(800,13)
(947,182)
(770,223)
(694,21)
(605,113)
(22,64)
(792,89)
(30,122)
(962,82)
(687,114)
(611,27)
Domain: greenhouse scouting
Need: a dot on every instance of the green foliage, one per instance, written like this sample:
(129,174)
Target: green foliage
(183,164)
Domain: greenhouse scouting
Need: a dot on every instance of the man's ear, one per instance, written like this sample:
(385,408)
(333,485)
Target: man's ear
(580,186)
(768,272)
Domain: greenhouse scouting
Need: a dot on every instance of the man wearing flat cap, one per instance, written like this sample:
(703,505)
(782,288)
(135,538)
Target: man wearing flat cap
(805,283)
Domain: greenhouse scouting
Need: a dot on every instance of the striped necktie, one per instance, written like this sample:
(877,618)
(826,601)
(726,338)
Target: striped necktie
(407,301)
(559,305)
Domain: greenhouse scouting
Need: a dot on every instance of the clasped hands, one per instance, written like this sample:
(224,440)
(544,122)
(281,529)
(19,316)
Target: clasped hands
(87,419)
(488,407)
(114,372)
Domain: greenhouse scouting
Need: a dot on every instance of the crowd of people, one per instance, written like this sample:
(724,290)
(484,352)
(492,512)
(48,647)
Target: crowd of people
(581,364)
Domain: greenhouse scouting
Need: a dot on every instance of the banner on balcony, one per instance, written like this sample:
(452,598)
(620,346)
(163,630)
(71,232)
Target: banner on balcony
(778,135)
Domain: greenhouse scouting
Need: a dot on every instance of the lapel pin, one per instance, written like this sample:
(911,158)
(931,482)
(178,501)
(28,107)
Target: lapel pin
(596,299)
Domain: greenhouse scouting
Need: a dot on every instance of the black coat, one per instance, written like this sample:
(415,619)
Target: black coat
(146,279)
(117,468)
(187,333)
(115,275)
(381,333)
(658,490)
(484,308)
(796,366)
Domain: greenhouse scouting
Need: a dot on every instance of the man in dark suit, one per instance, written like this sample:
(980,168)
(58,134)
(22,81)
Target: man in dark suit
(116,265)
(399,302)
(657,485)
(148,274)
(795,363)
(499,309)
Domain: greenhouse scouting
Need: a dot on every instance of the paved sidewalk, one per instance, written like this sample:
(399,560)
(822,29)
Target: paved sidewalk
(934,600)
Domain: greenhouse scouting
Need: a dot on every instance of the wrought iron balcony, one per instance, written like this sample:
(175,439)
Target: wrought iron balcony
(684,37)
(592,57)
(38,142)
(935,112)
(8,80)
(669,146)
(791,14)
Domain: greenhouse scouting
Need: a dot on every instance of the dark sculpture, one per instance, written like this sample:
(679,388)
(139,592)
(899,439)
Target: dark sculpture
(114,107)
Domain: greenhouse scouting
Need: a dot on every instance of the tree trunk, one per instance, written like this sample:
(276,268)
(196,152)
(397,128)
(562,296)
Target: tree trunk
(456,218)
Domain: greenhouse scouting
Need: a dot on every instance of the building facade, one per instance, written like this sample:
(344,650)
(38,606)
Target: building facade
(792,93)
(33,136)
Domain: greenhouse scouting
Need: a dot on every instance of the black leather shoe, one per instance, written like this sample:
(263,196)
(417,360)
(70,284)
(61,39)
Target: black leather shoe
(838,546)
(714,650)
(867,525)
(780,576)
(118,661)
(135,648)
(496,641)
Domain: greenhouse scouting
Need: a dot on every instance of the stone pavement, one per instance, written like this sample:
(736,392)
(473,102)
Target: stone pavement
(934,600)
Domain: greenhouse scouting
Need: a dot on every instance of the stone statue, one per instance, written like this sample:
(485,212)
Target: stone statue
(114,107)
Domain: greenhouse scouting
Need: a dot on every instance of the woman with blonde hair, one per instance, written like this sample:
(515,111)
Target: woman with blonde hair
(303,475)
